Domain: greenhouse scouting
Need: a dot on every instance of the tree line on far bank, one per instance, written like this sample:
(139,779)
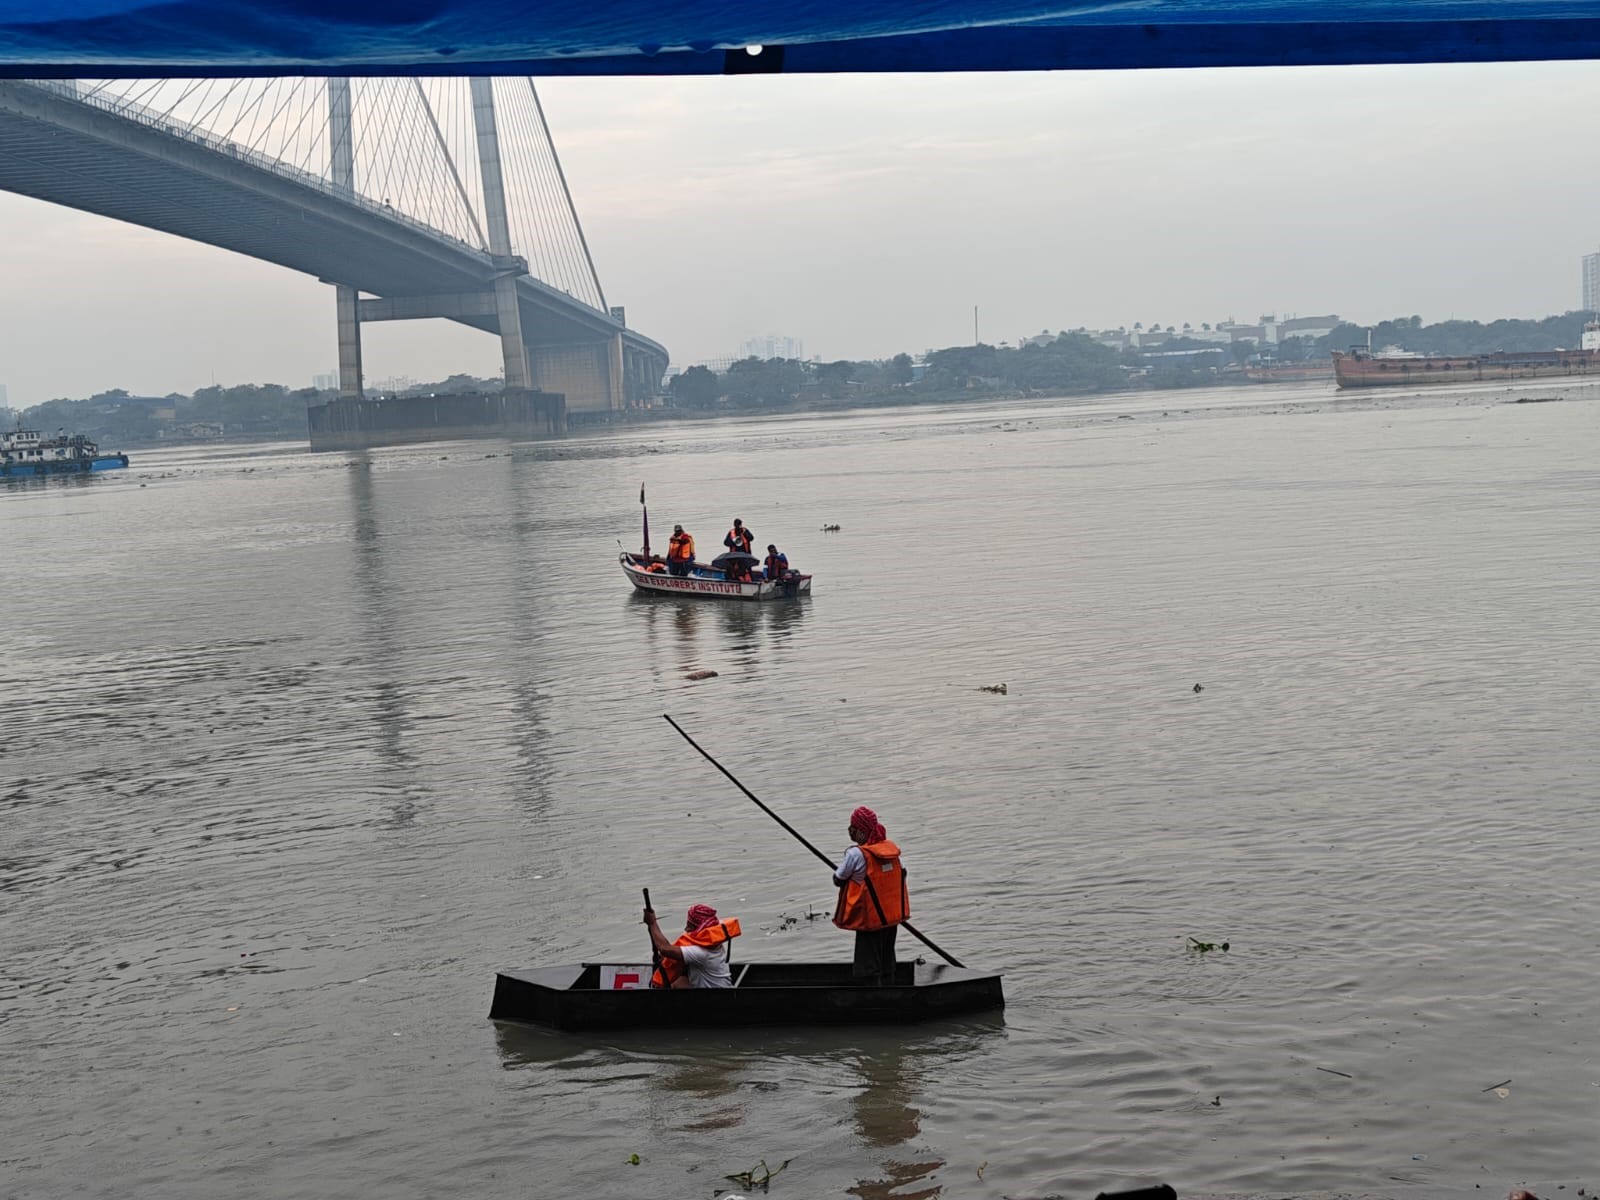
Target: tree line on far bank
(1071,363)
(116,418)
(1074,362)
(1564,332)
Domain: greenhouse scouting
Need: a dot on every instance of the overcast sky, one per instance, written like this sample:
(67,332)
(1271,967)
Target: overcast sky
(868,215)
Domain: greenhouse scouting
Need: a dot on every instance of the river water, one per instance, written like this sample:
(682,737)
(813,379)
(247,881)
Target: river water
(299,749)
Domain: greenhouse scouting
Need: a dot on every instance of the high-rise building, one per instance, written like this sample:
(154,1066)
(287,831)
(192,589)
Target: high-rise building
(773,346)
(1591,282)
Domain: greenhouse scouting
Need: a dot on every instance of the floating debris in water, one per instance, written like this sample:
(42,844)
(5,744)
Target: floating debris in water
(789,921)
(1199,687)
(1205,947)
(999,689)
(750,1178)
(830,529)
(701,675)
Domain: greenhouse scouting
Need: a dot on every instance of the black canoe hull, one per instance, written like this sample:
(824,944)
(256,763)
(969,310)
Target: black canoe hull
(765,994)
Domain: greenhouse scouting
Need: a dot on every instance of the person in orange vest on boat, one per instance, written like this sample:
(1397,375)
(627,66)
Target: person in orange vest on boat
(699,958)
(739,538)
(872,897)
(777,562)
(680,552)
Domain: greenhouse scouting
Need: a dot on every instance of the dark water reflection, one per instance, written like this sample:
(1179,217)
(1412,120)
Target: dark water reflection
(297,750)
(681,634)
(380,660)
(874,1076)
(887,1120)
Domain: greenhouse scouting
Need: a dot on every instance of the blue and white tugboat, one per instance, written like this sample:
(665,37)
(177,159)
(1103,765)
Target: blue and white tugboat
(27,454)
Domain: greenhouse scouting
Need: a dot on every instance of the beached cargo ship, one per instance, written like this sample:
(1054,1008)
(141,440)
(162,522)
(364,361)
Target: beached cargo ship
(27,454)
(1361,368)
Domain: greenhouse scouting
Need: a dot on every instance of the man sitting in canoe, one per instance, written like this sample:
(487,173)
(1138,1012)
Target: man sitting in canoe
(777,563)
(680,552)
(699,958)
(872,897)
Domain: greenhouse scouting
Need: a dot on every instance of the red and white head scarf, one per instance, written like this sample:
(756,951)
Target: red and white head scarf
(865,820)
(700,916)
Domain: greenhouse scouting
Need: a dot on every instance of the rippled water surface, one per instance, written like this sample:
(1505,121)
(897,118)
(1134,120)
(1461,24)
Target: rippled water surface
(298,750)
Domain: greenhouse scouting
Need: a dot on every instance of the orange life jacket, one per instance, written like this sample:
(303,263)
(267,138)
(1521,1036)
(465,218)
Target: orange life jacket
(681,548)
(712,935)
(879,899)
(776,564)
(739,539)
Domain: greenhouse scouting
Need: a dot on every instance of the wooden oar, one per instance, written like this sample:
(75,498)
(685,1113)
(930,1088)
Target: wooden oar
(911,929)
(655,955)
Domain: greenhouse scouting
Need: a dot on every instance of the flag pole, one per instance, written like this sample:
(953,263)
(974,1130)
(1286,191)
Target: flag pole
(646,512)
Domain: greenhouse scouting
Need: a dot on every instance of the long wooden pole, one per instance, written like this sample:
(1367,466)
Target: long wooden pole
(910,928)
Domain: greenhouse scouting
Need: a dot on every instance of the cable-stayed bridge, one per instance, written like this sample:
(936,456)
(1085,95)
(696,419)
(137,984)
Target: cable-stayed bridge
(414,198)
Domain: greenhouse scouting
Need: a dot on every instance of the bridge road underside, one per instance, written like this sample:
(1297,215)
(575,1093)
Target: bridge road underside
(55,148)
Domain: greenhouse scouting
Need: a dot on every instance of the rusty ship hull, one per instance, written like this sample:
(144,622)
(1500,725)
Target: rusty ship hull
(1369,371)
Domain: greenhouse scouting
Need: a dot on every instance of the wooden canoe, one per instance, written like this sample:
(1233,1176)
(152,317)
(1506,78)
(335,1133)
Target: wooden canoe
(571,997)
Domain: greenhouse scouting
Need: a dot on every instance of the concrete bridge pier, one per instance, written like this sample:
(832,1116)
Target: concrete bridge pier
(348,303)
(347,300)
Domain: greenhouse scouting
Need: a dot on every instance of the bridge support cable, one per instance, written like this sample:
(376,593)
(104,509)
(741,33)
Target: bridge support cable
(513,349)
(450,162)
(553,241)
(566,192)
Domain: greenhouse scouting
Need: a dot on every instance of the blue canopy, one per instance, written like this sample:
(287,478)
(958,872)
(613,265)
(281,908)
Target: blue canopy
(695,37)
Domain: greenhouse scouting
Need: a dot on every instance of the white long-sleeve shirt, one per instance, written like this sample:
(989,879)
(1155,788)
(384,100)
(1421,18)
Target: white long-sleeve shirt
(854,867)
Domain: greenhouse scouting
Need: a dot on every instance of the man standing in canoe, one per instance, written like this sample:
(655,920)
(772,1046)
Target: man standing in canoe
(872,897)
(699,958)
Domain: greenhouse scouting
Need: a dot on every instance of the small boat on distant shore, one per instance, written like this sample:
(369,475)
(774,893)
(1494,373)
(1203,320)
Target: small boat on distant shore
(27,454)
(649,574)
(611,996)
(1291,372)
